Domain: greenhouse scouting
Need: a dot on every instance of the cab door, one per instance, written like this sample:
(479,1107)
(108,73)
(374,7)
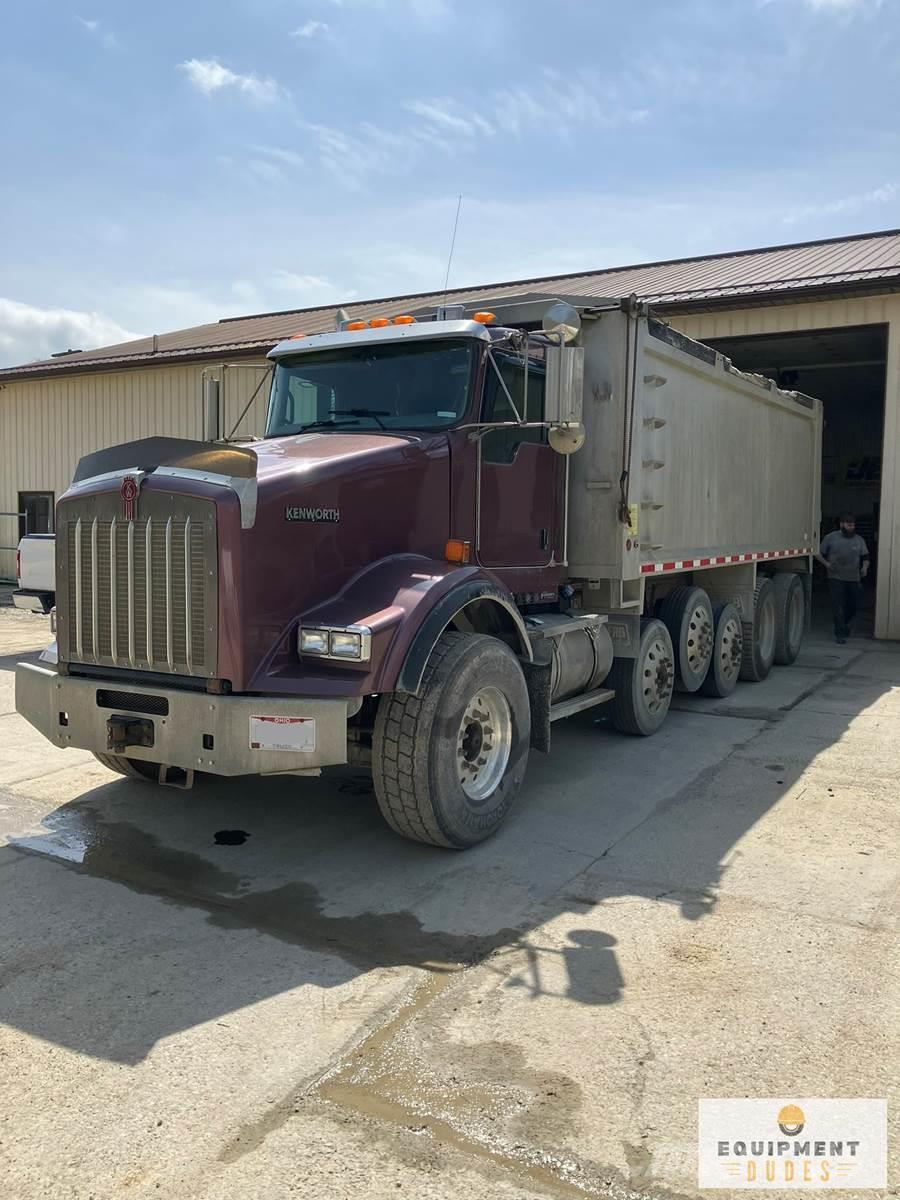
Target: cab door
(518,478)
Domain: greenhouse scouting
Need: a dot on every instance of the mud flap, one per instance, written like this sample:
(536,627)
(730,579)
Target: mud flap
(537,679)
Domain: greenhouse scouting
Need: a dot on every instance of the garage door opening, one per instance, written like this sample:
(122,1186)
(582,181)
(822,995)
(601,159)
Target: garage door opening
(846,370)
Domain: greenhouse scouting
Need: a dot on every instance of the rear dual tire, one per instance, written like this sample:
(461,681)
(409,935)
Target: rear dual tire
(643,684)
(760,634)
(688,615)
(790,616)
(728,643)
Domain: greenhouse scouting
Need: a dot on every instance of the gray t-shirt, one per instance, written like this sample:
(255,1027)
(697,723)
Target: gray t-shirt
(843,554)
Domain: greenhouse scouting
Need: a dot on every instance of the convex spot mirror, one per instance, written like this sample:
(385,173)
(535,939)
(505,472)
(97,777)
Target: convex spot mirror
(563,320)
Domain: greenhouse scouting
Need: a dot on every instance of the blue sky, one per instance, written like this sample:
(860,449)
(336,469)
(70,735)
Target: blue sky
(168,164)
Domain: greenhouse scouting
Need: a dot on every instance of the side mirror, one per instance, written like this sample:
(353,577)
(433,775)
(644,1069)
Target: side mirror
(565,385)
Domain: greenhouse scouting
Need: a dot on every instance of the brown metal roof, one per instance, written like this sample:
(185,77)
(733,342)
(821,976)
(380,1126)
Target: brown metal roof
(838,266)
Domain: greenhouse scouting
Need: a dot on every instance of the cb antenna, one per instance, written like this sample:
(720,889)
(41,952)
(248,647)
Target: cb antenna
(452,245)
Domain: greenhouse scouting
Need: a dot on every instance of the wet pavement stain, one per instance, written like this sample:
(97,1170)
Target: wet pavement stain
(230,837)
(292,912)
(379,1081)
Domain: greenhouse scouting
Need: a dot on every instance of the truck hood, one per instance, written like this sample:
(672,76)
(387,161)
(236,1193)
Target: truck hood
(316,455)
(328,506)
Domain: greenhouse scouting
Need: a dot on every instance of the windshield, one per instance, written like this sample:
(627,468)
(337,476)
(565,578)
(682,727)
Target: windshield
(400,386)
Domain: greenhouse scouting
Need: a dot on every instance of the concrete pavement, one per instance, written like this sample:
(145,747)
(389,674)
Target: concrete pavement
(324,1009)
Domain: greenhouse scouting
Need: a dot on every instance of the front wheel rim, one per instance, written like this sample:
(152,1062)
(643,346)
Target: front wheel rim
(484,743)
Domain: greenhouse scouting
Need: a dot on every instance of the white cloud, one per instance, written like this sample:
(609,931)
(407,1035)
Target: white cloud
(838,5)
(844,204)
(290,280)
(265,171)
(28,332)
(208,75)
(555,102)
(438,112)
(107,39)
(834,6)
(287,158)
(310,29)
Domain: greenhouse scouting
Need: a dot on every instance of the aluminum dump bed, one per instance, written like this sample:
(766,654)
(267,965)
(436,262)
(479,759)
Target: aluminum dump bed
(687,462)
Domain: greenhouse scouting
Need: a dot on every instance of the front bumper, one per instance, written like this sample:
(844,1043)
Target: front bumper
(195,731)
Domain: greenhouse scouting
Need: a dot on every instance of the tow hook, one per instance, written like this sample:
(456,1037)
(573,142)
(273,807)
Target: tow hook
(122,732)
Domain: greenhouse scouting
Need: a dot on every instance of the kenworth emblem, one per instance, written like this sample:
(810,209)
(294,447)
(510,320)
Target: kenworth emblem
(129,493)
(312,514)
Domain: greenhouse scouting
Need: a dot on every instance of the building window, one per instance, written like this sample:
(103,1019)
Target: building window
(35,512)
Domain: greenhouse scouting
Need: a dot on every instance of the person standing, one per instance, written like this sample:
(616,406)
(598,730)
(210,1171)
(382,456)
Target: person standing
(845,557)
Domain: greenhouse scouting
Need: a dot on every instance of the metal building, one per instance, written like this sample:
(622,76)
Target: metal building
(820,316)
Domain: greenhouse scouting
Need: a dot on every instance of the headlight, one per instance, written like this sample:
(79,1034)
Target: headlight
(346,645)
(313,641)
(350,643)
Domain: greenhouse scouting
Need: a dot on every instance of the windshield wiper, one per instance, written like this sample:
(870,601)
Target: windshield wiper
(374,413)
(330,423)
(325,423)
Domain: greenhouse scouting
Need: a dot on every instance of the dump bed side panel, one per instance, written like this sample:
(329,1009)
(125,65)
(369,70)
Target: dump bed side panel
(717,462)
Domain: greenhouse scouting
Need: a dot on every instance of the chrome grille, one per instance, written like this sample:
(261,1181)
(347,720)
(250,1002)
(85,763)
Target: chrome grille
(139,593)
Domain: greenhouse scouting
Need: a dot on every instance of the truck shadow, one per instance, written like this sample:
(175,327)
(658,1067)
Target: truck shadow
(126,921)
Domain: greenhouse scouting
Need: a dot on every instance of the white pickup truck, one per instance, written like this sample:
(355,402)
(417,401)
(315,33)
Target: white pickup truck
(36,573)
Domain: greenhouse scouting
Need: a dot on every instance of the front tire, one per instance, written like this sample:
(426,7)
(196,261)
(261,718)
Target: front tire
(131,768)
(448,763)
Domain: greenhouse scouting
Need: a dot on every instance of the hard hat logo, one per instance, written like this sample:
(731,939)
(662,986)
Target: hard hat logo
(129,493)
(791,1120)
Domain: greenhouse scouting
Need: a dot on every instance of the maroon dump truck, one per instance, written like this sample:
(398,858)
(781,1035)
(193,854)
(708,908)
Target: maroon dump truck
(459,527)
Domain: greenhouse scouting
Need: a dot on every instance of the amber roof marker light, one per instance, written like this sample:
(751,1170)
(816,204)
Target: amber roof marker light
(484,318)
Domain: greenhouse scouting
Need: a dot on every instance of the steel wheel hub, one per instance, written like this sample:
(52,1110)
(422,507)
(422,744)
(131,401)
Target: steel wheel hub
(657,676)
(730,649)
(484,743)
(699,640)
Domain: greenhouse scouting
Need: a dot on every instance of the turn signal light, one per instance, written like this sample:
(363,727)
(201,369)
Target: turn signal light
(352,326)
(483,318)
(404,320)
(378,322)
(456,551)
(295,336)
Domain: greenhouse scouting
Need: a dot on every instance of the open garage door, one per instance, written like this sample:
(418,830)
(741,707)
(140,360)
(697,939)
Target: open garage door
(845,368)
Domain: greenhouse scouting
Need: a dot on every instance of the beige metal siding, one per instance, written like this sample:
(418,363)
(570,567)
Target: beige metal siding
(46,425)
(832,314)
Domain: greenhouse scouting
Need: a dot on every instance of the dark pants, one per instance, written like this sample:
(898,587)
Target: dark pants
(845,597)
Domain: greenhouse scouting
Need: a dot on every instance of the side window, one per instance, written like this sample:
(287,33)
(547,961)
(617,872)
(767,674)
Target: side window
(500,445)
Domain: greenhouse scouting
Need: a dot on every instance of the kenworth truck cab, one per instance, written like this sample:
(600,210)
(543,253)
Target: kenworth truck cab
(386,578)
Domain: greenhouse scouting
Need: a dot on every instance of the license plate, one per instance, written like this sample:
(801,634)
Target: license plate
(297,734)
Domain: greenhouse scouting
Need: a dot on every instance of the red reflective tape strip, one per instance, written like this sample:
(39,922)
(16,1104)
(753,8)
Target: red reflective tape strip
(720,560)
